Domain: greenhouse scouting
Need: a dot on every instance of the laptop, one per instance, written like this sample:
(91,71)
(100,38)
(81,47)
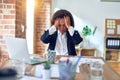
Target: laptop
(17,49)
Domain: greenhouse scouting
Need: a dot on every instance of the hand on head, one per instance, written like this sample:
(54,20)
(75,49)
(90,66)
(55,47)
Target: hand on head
(56,23)
(62,24)
(67,21)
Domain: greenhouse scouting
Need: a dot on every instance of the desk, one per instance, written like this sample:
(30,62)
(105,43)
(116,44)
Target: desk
(109,73)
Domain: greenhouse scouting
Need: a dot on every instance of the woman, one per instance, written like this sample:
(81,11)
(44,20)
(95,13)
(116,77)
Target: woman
(61,36)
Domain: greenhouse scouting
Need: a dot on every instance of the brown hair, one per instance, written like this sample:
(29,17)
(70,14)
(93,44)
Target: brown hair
(61,14)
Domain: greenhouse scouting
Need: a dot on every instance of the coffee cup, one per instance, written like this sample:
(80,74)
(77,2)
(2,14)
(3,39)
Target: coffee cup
(51,54)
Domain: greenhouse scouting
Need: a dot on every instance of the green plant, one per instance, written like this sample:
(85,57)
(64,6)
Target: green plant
(47,65)
(94,30)
(87,31)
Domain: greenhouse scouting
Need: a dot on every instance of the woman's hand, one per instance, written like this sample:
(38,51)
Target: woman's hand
(56,23)
(67,22)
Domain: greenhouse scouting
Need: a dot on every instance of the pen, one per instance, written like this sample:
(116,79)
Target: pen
(67,61)
(78,60)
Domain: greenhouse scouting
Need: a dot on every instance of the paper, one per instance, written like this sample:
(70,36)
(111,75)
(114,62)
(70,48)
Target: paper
(83,60)
(29,78)
(54,71)
(110,31)
(118,29)
(90,60)
(39,71)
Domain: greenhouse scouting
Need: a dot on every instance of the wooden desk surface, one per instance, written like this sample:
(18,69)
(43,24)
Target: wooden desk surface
(108,74)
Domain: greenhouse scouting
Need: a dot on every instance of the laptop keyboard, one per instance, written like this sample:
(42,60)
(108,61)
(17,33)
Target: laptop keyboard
(36,59)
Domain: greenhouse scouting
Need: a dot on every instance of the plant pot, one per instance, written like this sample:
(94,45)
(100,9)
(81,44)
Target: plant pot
(86,42)
(46,74)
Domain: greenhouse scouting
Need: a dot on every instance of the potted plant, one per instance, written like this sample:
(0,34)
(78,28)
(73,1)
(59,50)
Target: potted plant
(47,70)
(87,32)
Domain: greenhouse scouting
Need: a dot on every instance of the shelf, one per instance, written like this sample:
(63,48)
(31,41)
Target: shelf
(112,55)
(85,51)
(88,52)
(112,40)
(112,49)
(112,27)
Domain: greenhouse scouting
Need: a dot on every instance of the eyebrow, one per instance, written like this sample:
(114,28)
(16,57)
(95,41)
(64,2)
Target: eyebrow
(62,25)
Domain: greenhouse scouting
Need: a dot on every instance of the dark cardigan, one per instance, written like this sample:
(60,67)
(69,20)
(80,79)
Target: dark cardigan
(71,40)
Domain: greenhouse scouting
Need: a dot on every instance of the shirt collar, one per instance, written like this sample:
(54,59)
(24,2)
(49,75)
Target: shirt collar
(59,33)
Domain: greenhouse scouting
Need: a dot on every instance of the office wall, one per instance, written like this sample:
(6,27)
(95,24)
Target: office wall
(11,23)
(92,13)
(42,22)
(7,22)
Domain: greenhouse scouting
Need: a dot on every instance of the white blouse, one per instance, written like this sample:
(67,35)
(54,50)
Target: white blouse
(61,43)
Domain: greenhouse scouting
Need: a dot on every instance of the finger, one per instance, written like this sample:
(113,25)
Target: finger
(56,23)
(66,24)
(68,20)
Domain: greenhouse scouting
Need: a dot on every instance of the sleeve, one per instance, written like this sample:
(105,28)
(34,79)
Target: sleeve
(76,37)
(52,30)
(71,30)
(46,37)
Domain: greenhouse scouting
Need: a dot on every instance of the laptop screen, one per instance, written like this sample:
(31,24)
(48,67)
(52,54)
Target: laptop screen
(17,48)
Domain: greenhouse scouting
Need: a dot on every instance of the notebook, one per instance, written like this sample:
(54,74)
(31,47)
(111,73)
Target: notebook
(17,49)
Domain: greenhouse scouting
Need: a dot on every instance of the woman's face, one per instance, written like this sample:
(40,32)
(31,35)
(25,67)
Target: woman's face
(62,27)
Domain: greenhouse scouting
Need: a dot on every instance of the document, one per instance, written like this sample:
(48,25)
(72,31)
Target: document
(118,29)
(83,60)
(54,71)
(29,78)
(110,31)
